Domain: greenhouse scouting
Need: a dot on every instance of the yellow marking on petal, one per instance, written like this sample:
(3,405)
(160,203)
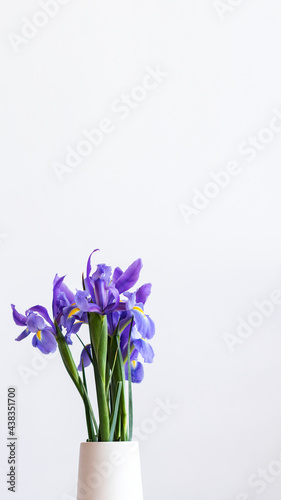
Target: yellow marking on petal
(39,335)
(74,311)
(139,309)
(134,364)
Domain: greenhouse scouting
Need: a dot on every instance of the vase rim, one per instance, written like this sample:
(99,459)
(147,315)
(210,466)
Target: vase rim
(110,442)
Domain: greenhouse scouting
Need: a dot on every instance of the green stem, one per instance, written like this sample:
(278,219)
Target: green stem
(130,395)
(119,376)
(98,330)
(90,428)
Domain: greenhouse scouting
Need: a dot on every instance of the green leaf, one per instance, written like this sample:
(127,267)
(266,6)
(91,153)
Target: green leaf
(113,365)
(116,409)
(119,376)
(99,335)
(84,377)
(130,398)
(104,429)
(90,428)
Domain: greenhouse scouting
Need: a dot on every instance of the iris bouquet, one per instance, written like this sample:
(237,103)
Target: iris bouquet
(118,341)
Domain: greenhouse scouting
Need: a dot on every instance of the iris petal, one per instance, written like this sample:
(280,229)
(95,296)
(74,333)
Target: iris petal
(95,308)
(150,332)
(131,300)
(23,335)
(144,323)
(43,312)
(143,293)
(81,300)
(61,291)
(76,327)
(47,344)
(129,277)
(87,280)
(85,356)
(116,274)
(19,319)
(100,292)
(35,322)
(137,372)
(113,300)
(145,350)
(103,271)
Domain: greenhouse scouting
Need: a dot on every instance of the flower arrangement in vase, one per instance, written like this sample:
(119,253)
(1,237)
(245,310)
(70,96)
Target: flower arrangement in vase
(117,342)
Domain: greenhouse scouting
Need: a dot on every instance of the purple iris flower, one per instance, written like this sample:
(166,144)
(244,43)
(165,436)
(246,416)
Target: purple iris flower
(137,371)
(62,296)
(143,330)
(102,293)
(37,320)
(135,305)
(105,293)
(65,310)
(141,345)
(39,324)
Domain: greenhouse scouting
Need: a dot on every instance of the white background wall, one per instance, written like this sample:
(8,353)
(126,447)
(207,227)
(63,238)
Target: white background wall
(222,82)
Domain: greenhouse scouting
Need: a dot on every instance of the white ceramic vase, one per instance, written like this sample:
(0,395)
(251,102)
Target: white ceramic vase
(109,471)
